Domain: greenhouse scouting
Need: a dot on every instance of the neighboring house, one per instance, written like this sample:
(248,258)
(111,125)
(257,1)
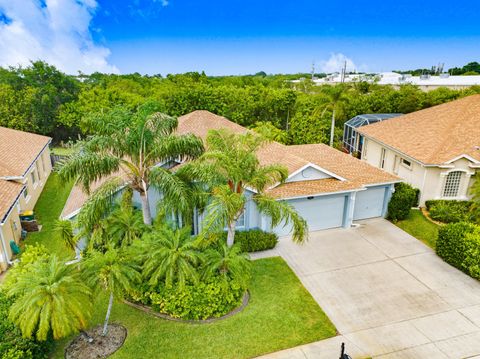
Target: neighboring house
(396,80)
(24,168)
(327,187)
(435,150)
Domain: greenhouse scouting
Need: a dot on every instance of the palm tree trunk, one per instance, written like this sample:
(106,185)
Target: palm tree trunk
(147,216)
(107,318)
(332,129)
(230,234)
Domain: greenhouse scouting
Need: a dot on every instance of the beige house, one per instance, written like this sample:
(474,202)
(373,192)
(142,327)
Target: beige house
(24,168)
(436,150)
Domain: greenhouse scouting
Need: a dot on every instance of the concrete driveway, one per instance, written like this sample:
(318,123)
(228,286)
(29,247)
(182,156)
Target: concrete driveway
(387,293)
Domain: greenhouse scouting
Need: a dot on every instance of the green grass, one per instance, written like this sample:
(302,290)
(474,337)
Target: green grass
(47,210)
(62,151)
(281,314)
(420,227)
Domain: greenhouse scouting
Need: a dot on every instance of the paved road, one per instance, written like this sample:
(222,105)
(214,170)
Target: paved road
(387,293)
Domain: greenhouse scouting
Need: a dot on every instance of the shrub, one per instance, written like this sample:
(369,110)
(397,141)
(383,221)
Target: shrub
(450,211)
(471,265)
(208,299)
(254,240)
(12,344)
(451,245)
(403,199)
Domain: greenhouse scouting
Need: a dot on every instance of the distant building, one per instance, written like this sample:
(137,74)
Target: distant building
(424,82)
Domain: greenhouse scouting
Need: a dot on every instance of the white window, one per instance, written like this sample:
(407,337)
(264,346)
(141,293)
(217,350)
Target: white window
(38,171)
(452,184)
(42,160)
(25,192)
(34,177)
(406,163)
(382,158)
(364,147)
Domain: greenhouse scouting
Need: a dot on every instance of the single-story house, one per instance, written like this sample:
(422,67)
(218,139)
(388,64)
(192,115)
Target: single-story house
(436,150)
(327,187)
(24,168)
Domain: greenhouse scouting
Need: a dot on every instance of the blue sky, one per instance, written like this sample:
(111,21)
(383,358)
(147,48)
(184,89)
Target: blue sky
(237,37)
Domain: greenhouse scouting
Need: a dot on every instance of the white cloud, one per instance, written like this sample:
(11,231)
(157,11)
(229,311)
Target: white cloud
(56,31)
(336,62)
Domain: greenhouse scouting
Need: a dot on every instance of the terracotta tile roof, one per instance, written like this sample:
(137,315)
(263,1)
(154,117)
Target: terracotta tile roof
(313,187)
(18,150)
(9,191)
(435,135)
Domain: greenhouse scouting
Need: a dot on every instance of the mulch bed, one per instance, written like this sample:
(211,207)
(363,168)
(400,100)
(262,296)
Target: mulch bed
(101,347)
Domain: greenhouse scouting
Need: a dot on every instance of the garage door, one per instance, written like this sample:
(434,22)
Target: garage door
(369,203)
(319,212)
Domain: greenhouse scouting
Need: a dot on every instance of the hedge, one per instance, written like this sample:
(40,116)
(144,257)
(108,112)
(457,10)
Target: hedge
(403,199)
(450,211)
(451,243)
(254,240)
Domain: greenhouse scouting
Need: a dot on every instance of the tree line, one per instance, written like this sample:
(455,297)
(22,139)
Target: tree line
(41,99)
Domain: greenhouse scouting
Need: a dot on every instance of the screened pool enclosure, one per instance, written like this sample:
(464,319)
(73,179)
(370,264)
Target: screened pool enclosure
(352,141)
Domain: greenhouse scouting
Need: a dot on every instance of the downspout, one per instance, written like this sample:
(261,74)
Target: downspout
(5,255)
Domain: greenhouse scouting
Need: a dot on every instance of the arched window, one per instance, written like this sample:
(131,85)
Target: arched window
(452,184)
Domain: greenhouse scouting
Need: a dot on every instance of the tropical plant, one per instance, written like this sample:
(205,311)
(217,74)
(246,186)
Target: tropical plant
(228,263)
(64,229)
(125,150)
(50,296)
(270,132)
(335,100)
(169,256)
(114,272)
(227,168)
(124,225)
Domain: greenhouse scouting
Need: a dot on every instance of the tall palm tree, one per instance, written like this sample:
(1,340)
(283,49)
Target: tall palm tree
(227,168)
(335,99)
(126,148)
(169,256)
(50,296)
(112,271)
(228,262)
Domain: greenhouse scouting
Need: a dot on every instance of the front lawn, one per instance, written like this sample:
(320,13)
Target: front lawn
(281,314)
(47,210)
(420,227)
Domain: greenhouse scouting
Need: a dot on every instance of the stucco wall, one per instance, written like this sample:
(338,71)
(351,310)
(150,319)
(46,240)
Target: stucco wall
(308,174)
(42,169)
(430,180)
(11,231)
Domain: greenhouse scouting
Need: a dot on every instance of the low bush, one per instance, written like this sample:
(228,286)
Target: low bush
(12,344)
(451,243)
(450,211)
(403,199)
(254,240)
(212,298)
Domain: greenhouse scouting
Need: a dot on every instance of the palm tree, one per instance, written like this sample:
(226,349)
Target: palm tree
(228,262)
(335,100)
(64,229)
(112,271)
(50,296)
(124,225)
(227,168)
(168,255)
(126,149)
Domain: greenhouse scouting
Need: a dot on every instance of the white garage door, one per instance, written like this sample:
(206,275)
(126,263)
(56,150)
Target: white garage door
(319,212)
(369,203)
